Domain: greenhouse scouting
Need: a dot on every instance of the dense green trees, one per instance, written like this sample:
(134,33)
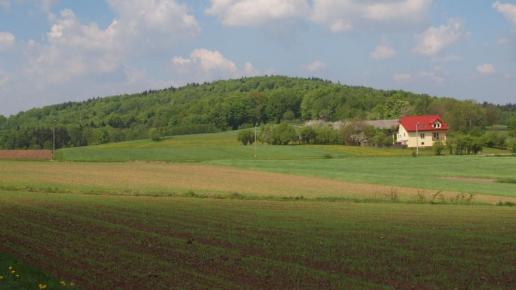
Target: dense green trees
(246,137)
(154,134)
(354,133)
(234,104)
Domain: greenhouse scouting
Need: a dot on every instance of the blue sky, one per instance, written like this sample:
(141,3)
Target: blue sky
(53,51)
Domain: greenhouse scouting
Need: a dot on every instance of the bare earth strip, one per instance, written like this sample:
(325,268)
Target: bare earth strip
(25,154)
(149,178)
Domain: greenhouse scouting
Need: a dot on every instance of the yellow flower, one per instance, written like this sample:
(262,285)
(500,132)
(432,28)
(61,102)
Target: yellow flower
(10,267)
(42,286)
(72,284)
(17,276)
(63,283)
(13,272)
(1,277)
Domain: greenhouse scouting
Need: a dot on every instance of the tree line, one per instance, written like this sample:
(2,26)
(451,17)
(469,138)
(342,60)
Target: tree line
(233,104)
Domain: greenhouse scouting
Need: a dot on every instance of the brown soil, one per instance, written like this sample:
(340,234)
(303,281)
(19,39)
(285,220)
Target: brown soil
(25,154)
(150,178)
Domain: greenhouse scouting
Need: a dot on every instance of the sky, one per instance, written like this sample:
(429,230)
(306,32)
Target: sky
(53,51)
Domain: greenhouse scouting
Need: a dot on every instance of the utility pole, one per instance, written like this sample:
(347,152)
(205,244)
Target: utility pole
(54,140)
(255,137)
(417,139)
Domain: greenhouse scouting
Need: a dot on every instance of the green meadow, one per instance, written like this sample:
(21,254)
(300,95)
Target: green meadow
(217,146)
(468,174)
(385,166)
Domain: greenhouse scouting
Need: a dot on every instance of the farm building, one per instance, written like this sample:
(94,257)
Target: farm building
(421,131)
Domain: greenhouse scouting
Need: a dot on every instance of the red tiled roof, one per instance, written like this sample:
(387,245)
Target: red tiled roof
(423,123)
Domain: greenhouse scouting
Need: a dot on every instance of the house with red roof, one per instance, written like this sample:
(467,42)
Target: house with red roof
(422,131)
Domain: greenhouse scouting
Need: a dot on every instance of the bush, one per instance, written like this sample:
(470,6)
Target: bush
(154,134)
(246,137)
(308,135)
(464,145)
(283,134)
(438,148)
(511,144)
(326,135)
(493,140)
(288,116)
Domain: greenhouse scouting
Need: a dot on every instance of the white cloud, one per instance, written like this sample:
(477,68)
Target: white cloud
(138,17)
(486,69)
(436,39)
(7,40)
(256,12)
(343,15)
(315,66)
(75,49)
(507,9)
(383,51)
(208,65)
(396,9)
(78,59)
(250,70)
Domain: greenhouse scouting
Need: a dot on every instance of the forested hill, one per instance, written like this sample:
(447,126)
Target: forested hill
(230,104)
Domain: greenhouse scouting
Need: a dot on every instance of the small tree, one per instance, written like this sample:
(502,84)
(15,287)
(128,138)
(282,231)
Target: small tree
(288,116)
(283,134)
(438,148)
(308,135)
(511,144)
(154,135)
(246,137)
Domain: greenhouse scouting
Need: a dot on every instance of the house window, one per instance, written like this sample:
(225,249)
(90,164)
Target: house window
(422,143)
(422,135)
(436,136)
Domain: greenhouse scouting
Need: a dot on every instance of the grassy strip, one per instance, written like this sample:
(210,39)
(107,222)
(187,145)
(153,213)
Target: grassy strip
(14,275)
(506,180)
(392,197)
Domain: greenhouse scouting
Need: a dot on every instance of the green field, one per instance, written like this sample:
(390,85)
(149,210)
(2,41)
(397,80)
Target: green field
(469,174)
(218,146)
(386,166)
(303,217)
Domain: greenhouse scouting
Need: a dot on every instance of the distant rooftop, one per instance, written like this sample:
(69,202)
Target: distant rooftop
(383,124)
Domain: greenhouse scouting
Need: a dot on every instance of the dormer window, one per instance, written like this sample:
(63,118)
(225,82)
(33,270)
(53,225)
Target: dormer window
(436,125)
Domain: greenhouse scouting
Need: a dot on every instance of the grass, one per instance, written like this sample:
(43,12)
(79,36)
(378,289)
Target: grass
(107,242)
(469,174)
(214,217)
(218,146)
(166,179)
(14,275)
